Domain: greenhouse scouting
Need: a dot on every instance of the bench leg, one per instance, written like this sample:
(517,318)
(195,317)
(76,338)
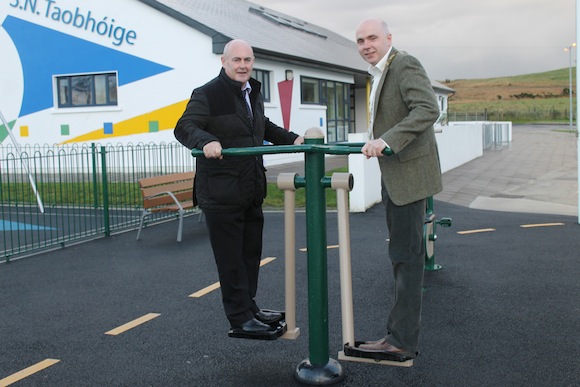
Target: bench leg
(143,215)
(180,227)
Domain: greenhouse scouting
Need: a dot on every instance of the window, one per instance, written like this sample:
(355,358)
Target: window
(84,90)
(263,77)
(311,91)
(336,96)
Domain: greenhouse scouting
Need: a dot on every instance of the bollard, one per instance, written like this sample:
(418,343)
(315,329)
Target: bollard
(286,183)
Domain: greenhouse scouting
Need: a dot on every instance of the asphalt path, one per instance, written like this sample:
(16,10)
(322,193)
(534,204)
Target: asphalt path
(503,311)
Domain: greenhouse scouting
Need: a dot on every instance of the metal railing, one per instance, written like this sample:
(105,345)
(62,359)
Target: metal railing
(81,191)
(528,115)
(467,116)
(496,135)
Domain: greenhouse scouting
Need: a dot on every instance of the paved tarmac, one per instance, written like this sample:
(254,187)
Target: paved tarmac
(503,311)
(536,173)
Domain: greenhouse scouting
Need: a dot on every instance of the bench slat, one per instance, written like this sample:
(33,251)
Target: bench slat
(164,179)
(186,206)
(173,187)
(167,200)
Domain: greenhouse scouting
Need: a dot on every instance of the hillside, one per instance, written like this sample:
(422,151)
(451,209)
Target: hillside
(550,84)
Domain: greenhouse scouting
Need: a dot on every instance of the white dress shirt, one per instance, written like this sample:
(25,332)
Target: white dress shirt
(376,72)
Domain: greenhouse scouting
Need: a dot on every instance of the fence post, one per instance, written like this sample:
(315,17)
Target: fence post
(105,191)
(95,189)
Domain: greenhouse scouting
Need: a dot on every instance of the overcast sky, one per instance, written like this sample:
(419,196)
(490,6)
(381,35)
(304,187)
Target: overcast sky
(458,39)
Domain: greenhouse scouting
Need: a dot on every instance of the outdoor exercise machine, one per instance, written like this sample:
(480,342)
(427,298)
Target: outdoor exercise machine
(319,368)
(430,235)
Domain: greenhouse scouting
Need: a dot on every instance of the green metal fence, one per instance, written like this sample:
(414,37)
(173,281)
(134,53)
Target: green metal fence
(51,196)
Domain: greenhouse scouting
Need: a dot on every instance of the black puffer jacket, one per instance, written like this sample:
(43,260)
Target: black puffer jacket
(217,112)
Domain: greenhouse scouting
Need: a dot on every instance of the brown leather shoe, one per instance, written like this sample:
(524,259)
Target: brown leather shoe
(384,346)
(375,341)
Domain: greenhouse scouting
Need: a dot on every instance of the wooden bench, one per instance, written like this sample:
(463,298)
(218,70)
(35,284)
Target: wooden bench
(167,193)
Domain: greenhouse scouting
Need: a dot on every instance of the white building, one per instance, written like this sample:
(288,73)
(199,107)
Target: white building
(109,71)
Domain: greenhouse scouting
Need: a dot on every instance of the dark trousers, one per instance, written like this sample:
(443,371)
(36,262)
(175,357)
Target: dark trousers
(407,254)
(236,240)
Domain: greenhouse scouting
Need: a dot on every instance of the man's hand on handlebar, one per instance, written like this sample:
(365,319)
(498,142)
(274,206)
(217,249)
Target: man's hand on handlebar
(213,150)
(374,148)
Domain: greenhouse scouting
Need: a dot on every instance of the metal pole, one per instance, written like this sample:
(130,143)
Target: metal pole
(105,191)
(317,258)
(577,107)
(286,183)
(343,183)
(319,368)
(24,163)
(570,84)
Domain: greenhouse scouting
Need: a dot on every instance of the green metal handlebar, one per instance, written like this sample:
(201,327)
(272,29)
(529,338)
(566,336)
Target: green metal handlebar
(343,149)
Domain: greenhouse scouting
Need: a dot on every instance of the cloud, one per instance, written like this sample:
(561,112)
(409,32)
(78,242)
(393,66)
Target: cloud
(457,38)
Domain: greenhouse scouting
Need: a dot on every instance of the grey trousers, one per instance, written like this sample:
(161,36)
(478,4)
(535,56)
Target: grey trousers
(407,254)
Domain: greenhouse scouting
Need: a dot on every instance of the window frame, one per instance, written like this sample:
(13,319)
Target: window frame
(110,92)
(341,101)
(263,76)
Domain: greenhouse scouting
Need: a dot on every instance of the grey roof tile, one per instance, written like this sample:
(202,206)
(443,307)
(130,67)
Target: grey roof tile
(268,31)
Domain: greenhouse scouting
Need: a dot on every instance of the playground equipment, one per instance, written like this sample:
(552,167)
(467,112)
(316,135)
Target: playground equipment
(319,368)
(430,235)
(343,183)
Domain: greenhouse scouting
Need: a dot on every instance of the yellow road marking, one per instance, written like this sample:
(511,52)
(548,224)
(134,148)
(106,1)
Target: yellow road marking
(205,290)
(304,249)
(475,231)
(212,287)
(266,261)
(27,372)
(132,324)
(541,225)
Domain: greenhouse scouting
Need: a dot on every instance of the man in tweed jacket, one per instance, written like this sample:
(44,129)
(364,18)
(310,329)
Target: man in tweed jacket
(403,110)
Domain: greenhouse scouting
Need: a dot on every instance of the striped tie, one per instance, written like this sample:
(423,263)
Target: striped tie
(248,106)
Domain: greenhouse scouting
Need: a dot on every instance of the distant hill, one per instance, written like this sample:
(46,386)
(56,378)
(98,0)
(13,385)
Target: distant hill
(550,84)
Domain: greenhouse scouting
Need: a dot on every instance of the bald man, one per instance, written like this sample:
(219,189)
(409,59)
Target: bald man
(403,110)
(228,112)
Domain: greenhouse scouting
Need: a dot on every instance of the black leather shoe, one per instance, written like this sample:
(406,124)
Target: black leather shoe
(268,317)
(254,329)
(252,326)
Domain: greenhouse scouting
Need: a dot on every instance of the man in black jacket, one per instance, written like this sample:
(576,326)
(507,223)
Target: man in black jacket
(228,112)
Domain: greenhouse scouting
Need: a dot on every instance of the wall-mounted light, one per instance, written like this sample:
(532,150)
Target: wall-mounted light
(289,75)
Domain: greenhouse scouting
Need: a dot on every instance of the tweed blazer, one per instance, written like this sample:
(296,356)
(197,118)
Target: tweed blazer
(405,110)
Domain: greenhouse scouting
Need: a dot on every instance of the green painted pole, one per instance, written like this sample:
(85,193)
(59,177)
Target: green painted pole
(317,256)
(430,237)
(105,192)
(319,368)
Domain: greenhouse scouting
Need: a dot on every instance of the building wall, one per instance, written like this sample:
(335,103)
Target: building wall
(158,67)
(158,59)
(155,69)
